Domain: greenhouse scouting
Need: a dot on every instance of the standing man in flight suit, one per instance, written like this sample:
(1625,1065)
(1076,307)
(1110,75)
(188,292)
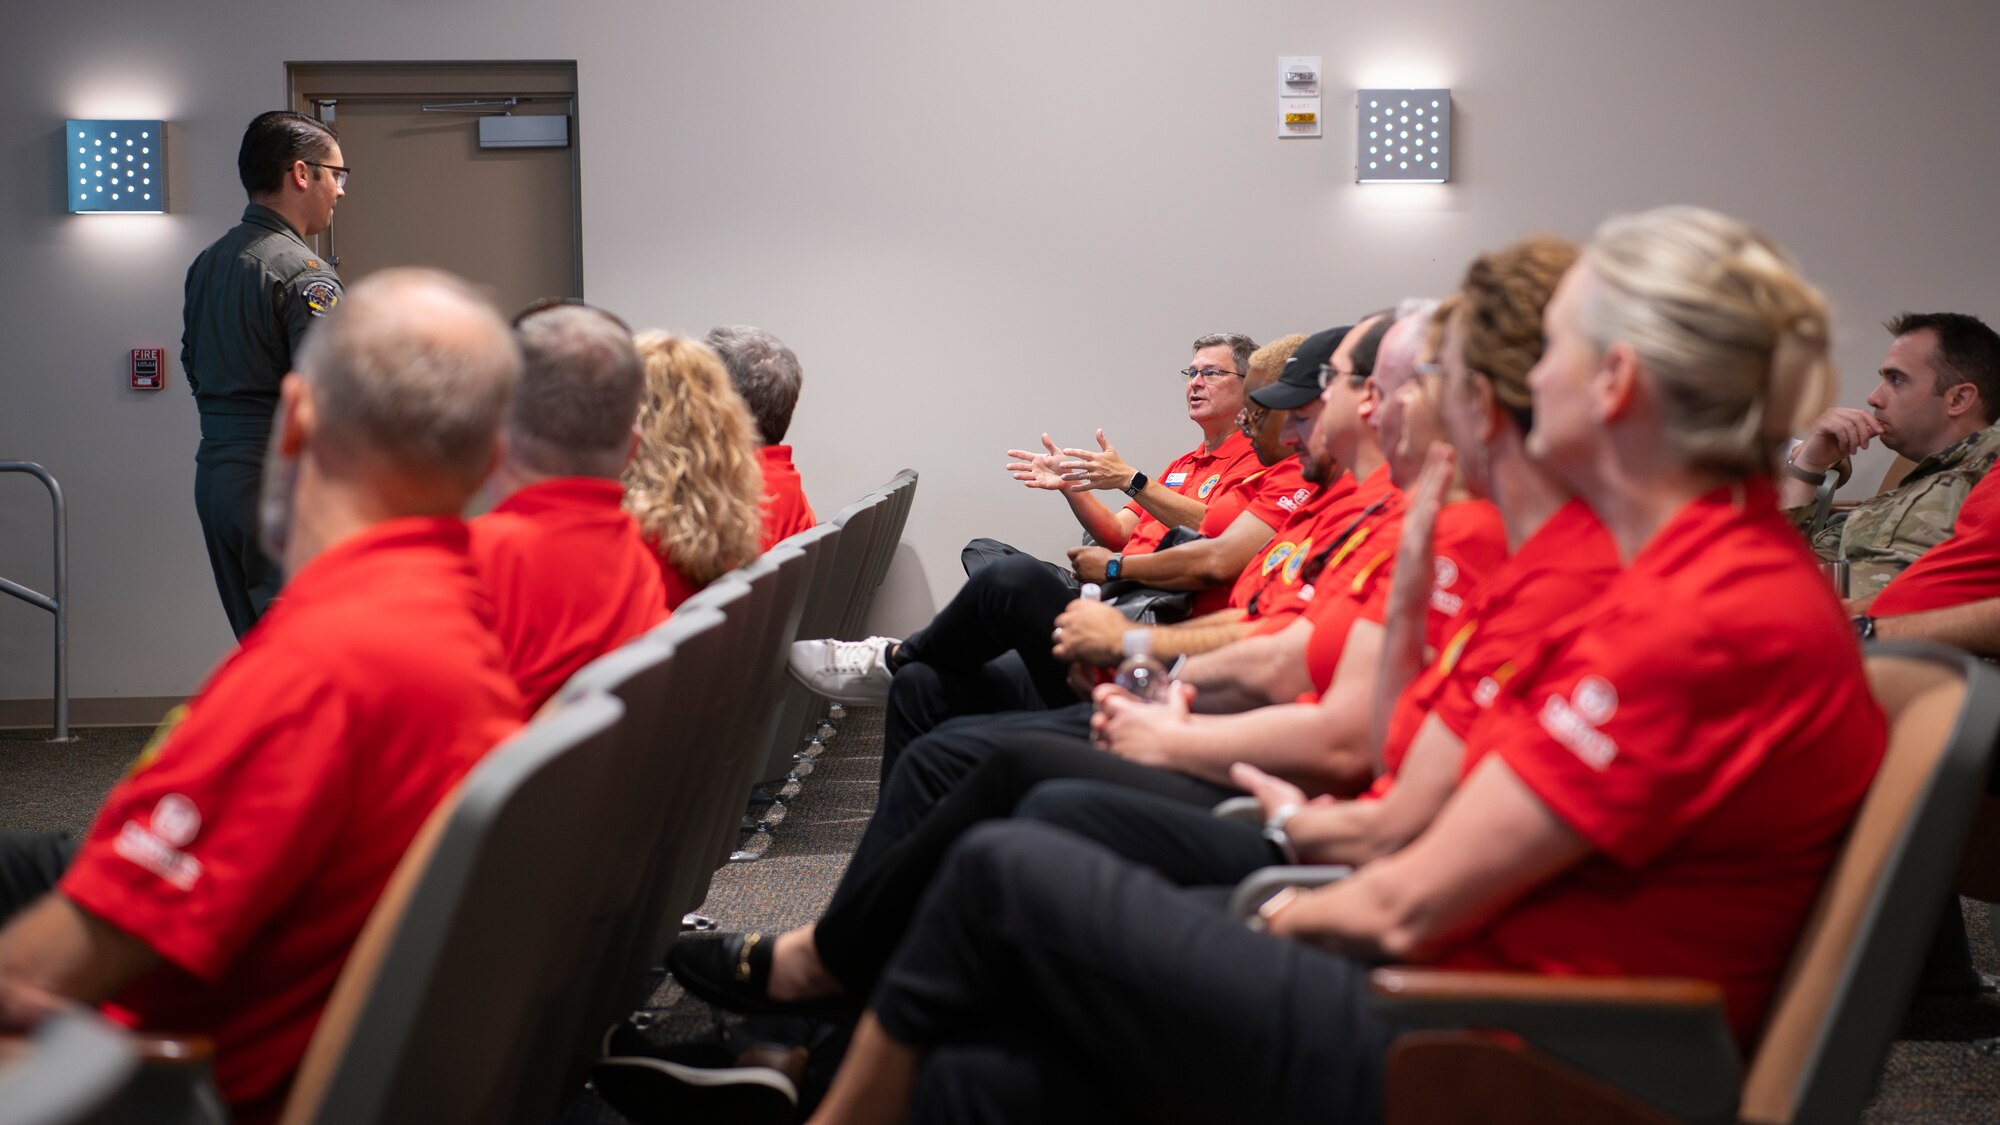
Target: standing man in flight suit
(249,298)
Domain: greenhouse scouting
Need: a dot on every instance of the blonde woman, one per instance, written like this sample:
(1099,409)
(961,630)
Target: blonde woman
(694,484)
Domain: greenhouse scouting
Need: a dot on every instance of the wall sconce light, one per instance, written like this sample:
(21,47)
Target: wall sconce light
(1402,136)
(117,167)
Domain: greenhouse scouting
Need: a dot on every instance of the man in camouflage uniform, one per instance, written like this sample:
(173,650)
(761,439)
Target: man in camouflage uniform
(249,298)
(1935,405)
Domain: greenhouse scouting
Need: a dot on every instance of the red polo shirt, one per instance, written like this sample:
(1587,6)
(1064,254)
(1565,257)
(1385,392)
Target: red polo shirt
(1199,474)
(1706,725)
(1963,568)
(570,579)
(786,510)
(252,838)
(1275,587)
(679,586)
(1468,543)
(1274,494)
(1564,564)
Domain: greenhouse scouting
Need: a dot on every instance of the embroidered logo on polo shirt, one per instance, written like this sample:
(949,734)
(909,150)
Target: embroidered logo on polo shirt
(1291,503)
(1595,699)
(1175,480)
(1444,574)
(1574,721)
(1276,556)
(156,845)
(1208,486)
(1297,563)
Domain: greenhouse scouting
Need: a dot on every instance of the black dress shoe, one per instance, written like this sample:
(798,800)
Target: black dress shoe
(733,972)
(703,1083)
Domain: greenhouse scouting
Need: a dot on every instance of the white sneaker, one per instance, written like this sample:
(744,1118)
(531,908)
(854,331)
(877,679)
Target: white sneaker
(845,671)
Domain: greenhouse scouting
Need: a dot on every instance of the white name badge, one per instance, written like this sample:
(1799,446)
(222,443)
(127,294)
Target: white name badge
(1175,480)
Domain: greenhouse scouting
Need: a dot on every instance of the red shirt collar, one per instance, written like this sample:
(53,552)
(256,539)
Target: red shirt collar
(564,493)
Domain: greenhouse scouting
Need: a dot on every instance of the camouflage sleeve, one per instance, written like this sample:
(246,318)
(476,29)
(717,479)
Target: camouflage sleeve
(306,298)
(1888,533)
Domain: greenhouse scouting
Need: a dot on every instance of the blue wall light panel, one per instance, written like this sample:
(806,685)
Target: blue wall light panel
(116,167)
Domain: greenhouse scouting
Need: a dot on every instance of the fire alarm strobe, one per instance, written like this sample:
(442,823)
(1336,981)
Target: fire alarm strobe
(146,373)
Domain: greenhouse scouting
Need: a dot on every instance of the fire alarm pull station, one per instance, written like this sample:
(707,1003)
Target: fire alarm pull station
(146,372)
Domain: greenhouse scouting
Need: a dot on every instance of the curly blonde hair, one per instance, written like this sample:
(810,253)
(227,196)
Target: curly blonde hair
(694,485)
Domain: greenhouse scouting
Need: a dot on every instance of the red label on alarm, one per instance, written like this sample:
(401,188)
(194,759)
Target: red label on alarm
(147,372)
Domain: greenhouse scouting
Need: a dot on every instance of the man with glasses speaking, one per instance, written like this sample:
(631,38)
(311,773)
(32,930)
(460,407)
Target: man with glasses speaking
(988,649)
(249,299)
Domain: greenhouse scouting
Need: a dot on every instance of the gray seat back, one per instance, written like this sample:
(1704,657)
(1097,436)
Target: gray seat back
(437,1016)
(1856,965)
(794,704)
(706,633)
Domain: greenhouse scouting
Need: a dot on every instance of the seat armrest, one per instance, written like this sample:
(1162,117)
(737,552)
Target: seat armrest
(1261,884)
(1242,810)
(162,1049)
(176,1081)
(1413,987)
(1666,1041)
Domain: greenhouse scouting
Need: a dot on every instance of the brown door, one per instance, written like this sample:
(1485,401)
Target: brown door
(424,192)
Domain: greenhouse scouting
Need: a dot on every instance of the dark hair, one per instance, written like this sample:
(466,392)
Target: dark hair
(1363,355)
(1967,351)
(272,142)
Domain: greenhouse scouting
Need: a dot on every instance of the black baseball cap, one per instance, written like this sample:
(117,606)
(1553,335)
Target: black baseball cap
(1298,383)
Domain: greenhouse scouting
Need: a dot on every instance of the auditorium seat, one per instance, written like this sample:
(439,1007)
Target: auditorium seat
(439,1013)
(829,587)
(1516,1047)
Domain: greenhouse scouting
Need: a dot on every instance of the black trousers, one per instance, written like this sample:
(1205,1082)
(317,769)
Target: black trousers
(1181,841)
(228,476)
(986,651)
(31,863)
(967,771)
(1052,981)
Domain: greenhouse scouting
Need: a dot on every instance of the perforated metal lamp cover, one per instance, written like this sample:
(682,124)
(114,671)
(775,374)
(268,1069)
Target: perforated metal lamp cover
(1402,136)
(115,167)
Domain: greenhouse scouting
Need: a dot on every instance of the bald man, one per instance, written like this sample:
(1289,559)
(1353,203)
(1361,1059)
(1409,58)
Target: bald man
(227,876)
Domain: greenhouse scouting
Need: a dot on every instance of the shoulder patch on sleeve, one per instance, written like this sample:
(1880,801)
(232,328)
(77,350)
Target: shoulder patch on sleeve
(320,296)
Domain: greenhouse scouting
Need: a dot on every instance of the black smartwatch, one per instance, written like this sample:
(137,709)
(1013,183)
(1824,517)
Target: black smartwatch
(1112,566)
(1137,486)
(1864,627)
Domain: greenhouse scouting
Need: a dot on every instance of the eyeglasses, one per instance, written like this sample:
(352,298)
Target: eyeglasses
(1208,374)
(1327,372)
(339,171)
(544,304)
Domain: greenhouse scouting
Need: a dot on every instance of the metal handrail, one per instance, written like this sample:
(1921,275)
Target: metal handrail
(58,605)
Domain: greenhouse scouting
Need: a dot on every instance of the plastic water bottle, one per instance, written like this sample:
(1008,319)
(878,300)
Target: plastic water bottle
(1091,592)
(1141,674)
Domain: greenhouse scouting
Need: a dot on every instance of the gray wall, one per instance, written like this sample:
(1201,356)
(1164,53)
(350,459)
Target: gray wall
(973,225)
